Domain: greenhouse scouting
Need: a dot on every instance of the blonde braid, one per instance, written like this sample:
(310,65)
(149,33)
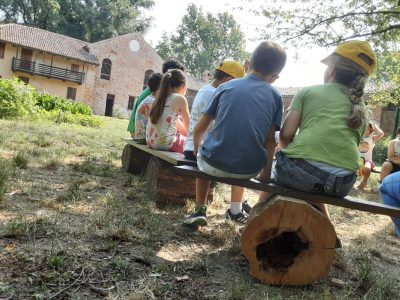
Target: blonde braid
(358,112)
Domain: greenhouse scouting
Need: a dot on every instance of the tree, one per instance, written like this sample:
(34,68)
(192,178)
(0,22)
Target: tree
(89,20)
(42,13)
(203,41)
(327,23)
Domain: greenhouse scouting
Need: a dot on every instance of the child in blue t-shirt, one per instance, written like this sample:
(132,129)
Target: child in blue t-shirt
(241,144)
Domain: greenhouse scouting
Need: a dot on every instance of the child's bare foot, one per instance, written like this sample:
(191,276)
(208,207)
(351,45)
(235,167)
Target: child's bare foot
(362,185)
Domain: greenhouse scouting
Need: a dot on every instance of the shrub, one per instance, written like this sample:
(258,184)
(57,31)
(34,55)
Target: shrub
(379,153)
(17,99)
(50,103)
(20,100)
(67,117)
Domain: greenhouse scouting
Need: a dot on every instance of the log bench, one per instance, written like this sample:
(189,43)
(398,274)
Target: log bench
(157,167)
(286,240)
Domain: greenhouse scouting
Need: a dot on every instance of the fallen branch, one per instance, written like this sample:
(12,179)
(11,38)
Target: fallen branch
(69,286)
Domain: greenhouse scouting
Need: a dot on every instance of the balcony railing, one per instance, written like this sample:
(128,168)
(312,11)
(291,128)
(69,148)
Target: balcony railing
(34,68)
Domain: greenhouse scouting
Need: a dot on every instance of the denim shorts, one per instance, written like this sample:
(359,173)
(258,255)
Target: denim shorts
(300,175)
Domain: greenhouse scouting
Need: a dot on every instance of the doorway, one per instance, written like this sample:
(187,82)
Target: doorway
(109,105)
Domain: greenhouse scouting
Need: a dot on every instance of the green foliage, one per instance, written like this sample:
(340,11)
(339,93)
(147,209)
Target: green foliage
(203,41)
(379,153)
(20,160)
(386,80)
(86,20)
(16,99)
(49,103)
(331,22)
(56,259)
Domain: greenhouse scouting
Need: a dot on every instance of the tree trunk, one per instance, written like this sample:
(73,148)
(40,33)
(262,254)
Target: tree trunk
(166,187)
(288,242)
(134,160)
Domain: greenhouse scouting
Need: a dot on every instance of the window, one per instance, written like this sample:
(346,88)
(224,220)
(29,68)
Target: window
(71,93)
(131,102)
(2,49)
(147,75)
(106,69)
(24,79)
(74,67)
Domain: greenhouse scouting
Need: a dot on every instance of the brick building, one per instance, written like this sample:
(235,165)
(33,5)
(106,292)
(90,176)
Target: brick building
(107,75)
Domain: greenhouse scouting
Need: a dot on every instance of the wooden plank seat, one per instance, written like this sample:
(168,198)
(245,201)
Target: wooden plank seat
(286,240)
(157,166)
(348,202)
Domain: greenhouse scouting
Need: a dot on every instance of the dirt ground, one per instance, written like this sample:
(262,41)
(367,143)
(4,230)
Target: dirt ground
(73,225)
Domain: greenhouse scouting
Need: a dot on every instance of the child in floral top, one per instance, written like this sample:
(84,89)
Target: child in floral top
(169,115)
(143,110)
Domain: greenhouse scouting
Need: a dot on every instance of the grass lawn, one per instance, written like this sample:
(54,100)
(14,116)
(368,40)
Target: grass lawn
(73,225)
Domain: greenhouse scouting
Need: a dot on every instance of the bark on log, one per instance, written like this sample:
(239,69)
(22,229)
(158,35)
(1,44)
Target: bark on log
(166,187)
(134,160)
(288,242)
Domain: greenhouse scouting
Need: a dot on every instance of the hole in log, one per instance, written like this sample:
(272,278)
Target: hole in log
(279,253)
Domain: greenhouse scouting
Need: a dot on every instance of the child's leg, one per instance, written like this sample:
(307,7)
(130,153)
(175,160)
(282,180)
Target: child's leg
(387,167)
(323,208)
(177,146)
(263,196)
(202,189)
(392,201)
(366,173)
(237,193)
(198,216)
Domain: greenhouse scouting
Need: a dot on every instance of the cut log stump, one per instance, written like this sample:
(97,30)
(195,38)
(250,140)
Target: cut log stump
(167,187)
(134,160)
(288,242)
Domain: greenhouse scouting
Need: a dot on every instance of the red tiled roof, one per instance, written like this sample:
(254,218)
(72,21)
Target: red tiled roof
(46,41)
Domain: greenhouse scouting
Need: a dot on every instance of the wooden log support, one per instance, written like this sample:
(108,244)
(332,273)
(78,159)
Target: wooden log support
(288,242)
(168,188)
(134,160)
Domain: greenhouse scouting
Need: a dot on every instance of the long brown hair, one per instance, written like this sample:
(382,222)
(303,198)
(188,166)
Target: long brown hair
(172,79)
(354,77)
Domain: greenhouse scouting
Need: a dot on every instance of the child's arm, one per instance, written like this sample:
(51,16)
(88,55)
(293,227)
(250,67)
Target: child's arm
(289,128)
(269,145)
(378,134)
(391,154)
(180,106)
(199,130)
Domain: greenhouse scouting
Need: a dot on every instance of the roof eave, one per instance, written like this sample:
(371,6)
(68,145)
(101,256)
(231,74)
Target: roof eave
(52,53)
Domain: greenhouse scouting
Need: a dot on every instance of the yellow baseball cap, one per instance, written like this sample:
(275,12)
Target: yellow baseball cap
(232,68)
(359,52)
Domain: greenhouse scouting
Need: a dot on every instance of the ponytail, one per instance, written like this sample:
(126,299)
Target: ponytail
(172,79)
(157,107)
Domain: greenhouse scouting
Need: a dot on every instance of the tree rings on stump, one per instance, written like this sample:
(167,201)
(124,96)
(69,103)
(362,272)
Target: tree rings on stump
(288,242)
(134,160)
(166,187)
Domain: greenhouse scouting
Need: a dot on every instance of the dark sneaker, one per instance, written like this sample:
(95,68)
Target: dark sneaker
(240,217)
(197,217)
(246,206)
